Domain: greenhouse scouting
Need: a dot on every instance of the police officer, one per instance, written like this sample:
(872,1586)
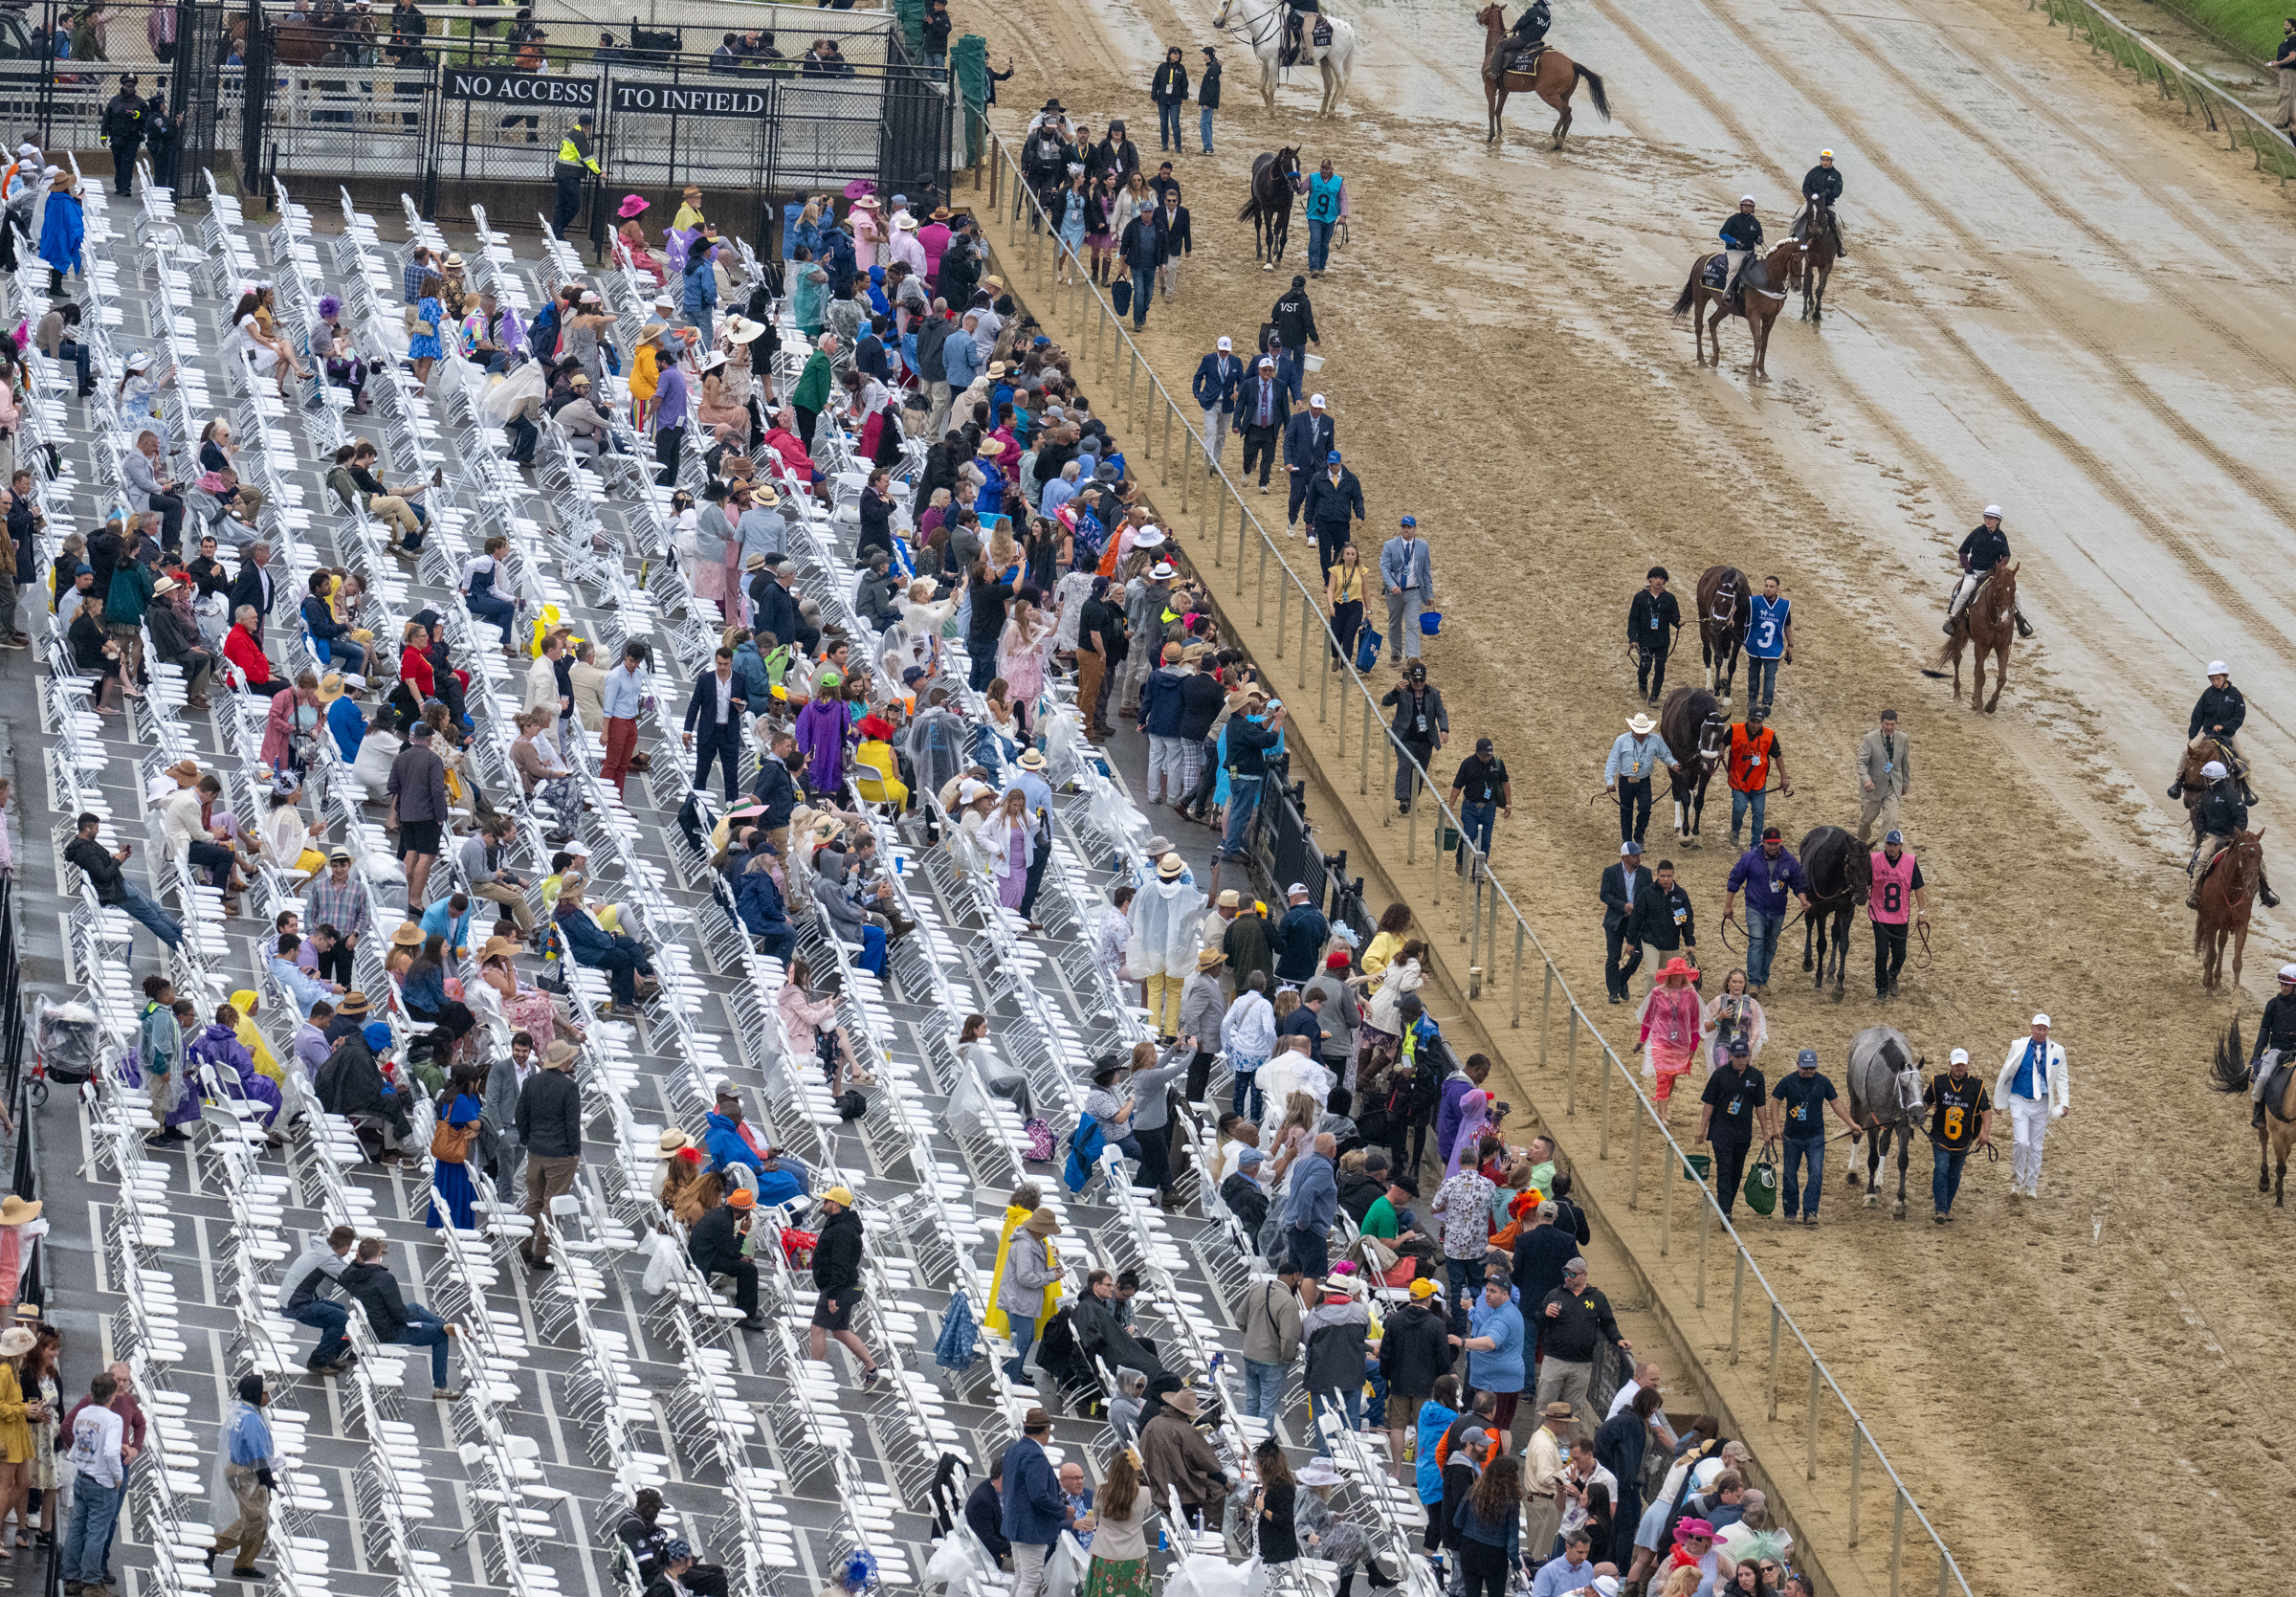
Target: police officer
(2275,1040)
(1897,893)
(1652,621)
(1741,236)
(2220,715)
(1986,546)
(2219,814)
(124,130)
(1822,184)
(577,163)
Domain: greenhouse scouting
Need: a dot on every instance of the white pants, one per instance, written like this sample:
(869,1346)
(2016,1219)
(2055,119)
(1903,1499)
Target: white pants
(2031,1123)
(1737,259)
(1027,1569)
(1215,423)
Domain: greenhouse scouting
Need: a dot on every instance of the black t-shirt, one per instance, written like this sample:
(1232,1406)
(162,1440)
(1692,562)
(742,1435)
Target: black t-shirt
(1735,1094)
(1101,617)
(1805,1104)
(1279,1541)
(1478,783)
(1958,1105)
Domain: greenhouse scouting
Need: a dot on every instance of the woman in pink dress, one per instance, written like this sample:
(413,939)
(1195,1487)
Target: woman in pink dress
(867,232)
(1029,634)
(1672,1020)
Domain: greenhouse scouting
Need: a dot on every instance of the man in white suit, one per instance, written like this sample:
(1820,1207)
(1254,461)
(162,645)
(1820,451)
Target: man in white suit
(2035,1086)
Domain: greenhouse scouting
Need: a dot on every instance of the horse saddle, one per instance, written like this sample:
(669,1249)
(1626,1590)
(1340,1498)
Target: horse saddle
(1717,272)
(2275,1084)
(1525,58)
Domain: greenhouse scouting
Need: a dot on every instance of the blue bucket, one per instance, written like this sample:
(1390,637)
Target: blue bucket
(1430,622)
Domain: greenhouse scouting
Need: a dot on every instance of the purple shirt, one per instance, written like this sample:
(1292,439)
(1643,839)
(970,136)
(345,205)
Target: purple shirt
(820,732)
(670,399)
(1767,884)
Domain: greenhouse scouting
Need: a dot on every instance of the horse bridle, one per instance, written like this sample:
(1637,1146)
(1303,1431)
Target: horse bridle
(1249,26)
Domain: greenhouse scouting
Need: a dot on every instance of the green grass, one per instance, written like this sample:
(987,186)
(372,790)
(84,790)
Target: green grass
(2254,25)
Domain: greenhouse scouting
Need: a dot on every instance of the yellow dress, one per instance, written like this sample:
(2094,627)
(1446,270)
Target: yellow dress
(267,1063)
(15,1430)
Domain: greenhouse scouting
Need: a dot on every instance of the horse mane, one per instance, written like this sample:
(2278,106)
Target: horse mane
(1894,1056)
(2228,1072)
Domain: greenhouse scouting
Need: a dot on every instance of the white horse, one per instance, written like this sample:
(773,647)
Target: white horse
(1263,26)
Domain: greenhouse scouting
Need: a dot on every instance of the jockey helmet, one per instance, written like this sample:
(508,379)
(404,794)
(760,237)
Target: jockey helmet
(2214,771)
(2218,668)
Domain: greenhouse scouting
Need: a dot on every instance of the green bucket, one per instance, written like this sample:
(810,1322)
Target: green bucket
(1696,1167)
(1447,836)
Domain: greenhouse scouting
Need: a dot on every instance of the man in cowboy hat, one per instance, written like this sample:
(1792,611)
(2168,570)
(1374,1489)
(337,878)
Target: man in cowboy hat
(1176,1457)
(1634,758)
(549,1127)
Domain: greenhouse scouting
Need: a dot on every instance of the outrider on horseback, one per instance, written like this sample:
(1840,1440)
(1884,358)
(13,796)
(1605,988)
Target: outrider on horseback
(1983,610)
(1819,226)
(2268,1077)
(1736,280)
(1521,61)
(1293,32)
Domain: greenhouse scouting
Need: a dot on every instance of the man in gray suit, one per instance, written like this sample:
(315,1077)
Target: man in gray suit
(1884,776)
(501,1107)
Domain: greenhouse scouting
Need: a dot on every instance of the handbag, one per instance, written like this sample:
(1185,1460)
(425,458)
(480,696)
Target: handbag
(1761,1183)
(451,1144)
(1120,295)
(1367,647)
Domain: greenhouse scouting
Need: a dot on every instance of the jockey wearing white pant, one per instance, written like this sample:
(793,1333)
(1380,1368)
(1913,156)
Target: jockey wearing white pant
(2035,1086)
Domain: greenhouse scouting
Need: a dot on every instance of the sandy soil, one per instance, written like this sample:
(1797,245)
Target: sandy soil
(2059,299)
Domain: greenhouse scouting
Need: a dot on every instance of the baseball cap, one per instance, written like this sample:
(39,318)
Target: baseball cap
(1894,837)
(2288,972)
(1960,1056)
(1314,402)
(1629,849)
(1771,834)
(1331,459)
(1223,342)
(838,1195)
(2040,1020)
(1483,745)
(1423,1288)
(1806,1059)
(1251,1159)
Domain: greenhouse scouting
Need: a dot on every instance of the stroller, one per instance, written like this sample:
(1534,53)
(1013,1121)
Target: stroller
(66,1044)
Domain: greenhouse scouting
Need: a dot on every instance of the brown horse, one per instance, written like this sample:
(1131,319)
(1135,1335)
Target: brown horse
(1990,622)
(1762,295)
(1725,605)
(2197,755)
(2227,897)
(2277,1136)
(1554,80)
(1818,263)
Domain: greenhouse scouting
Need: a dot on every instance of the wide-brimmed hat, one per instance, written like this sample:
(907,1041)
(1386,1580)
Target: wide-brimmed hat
(164,587)
(673,1143)
(408,935)
(498,949)
(353,1003)
(330,687)
(743,330)
(1183,1400)
(1032,760)
(1321,1472)
(1557,1411)
(1642,726)
(652,330)
(867,202)
(17,1341)
(990,448)
(14,1211)
(1677,967)
(184,770)
(559,1053)
(941,213)
(904,221)
(710,361)
(1041,1223)
(632,205)
(1171,868)
(1210,959)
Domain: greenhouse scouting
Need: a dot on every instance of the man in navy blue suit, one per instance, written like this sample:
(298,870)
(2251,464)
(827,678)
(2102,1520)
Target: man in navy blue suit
(721,706)
(1217,377)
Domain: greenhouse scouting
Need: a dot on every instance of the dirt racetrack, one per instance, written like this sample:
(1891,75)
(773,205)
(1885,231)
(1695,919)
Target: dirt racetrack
(2060,298)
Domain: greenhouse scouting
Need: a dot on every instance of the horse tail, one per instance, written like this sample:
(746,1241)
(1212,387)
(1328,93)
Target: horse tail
(1689,297)
(1250,212)
(2228,1072)
(1594,87)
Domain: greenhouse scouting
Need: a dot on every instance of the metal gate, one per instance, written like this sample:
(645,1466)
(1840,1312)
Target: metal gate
(912,147)
(255,114)
(196,92)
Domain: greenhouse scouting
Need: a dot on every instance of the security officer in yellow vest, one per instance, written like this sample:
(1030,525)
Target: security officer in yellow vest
(577,162)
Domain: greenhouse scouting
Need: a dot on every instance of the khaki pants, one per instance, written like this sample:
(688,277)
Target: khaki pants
(389,507)
(2283,110)
(1167,277)
(247,1532)
(1161,997)
(545,1179)
(1878,805)
(1560,1380)
(509,898)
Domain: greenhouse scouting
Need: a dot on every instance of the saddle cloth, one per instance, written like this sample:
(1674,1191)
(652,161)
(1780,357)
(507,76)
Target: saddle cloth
(2276,1080)
(1525,61)
(1322,34)
(1717,272)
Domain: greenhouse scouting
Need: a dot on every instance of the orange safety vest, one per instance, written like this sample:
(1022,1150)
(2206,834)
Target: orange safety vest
(1750,759)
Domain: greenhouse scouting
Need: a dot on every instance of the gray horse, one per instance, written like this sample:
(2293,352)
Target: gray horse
(1885,1096)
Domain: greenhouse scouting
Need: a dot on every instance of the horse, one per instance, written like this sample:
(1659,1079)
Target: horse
(1990,622)
(2189,783)
(2227,898)
(2229,1074)
(1276,182)
(1554,77)
(1884,1100)
(1692,717)
(1725,605)
(1840,871)
(1762,295)
(1820,251)
(1262,27)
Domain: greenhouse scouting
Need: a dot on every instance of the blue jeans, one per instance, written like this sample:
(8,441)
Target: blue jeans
(1024,1337)
(1376,1414)
(1945,1178)
(1467,1280)
(162,924)
(1203,122)
(1248,1085)
(501,612)
(1349,1402)
(425,1329)
(1475,824)
(1739,803)
(1799,1150)
(328,1320)
(1263,1389)
(1761,943)
(1167,126)
(1144,290)
(1761,679)
(88,1532)
(1242,808)
(1319,243)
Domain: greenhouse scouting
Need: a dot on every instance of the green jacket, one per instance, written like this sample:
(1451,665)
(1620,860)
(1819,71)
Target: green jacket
(813,385)
(130,596)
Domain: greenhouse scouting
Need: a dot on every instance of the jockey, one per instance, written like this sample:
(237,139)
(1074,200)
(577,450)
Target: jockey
(1986,546)
(1530,28)
(2275,1040)
(1295,24)
(2219,716)
(2219,814)
(1741,236)
(1822,184)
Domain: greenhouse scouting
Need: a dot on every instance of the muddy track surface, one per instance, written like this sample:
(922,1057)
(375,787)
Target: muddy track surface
(2060,297)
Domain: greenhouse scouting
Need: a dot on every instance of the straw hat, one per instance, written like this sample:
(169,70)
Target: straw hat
(1210,959)
(498,948)
(741,330)
(1557,1411)
(1032,760)
(559,1053)
(15,1211)
(1231,899)
(1041,1223)
(354,1003)
(652,330)
(330,687)
(165,586)
(902,220)
(1171,868)
(867,202)
(408,936)
(990,448)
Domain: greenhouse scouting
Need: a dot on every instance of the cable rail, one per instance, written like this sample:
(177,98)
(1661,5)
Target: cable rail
(2130,49)
(1210,493)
